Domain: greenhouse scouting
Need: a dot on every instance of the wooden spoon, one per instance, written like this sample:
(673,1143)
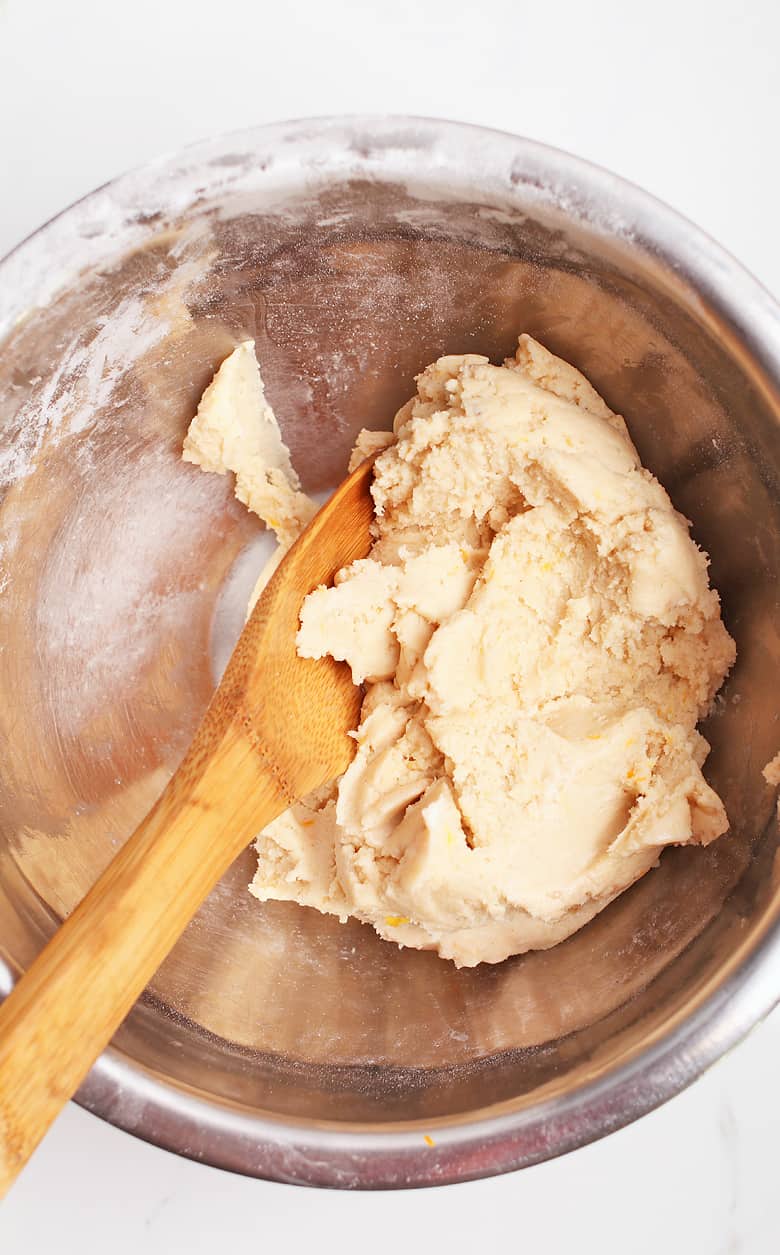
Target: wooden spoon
(276,727)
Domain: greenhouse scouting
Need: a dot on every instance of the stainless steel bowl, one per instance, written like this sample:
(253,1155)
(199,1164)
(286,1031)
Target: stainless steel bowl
(275,1041)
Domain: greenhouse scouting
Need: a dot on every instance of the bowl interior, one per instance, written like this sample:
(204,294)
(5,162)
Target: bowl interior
(125,575)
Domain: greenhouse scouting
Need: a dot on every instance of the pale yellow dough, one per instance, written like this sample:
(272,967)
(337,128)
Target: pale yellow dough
(771,772)
(538,640)
(236,430)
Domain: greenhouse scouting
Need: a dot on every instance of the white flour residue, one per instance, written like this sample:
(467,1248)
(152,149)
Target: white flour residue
(83,381)
(121,580)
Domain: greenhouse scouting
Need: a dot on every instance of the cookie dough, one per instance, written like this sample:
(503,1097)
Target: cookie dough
(236,430)
(538,639)
(771,772)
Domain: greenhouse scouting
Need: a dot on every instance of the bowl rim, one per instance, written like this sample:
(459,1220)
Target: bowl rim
(460,1148)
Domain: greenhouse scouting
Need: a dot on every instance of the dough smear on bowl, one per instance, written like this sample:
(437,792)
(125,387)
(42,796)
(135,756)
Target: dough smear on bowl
(537,638)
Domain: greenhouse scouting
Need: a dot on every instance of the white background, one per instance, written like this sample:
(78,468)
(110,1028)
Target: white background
(681,97)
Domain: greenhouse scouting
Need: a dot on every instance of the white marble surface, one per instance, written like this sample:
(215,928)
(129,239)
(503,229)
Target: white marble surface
(697,1177)
(682,96)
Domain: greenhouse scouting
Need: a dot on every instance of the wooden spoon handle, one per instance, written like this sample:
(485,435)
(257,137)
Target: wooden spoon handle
(68,1005)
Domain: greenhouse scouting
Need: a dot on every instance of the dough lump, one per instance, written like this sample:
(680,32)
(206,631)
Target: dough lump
(538,639)
(236,430)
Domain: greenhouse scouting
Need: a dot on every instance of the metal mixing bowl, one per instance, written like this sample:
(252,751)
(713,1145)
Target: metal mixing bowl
(274,1040)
